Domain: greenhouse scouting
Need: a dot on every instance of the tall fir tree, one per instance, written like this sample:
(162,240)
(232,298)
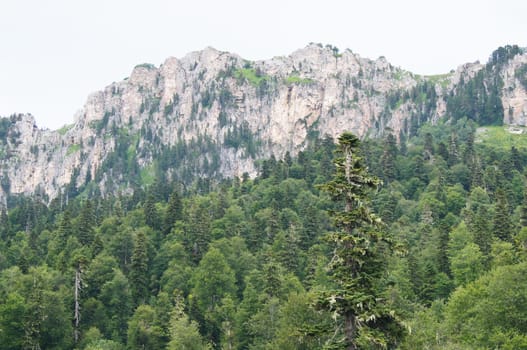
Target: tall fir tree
(174,211)
(523,209)
(139,269)
(388,158)
(150,211)
(359,256)
(85,230)
(502,226)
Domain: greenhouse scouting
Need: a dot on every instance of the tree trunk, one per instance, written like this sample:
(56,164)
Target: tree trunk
(77,314)
(350,330)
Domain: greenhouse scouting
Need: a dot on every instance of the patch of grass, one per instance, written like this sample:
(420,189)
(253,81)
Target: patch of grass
(295,79)
(73,149)
(502,137)
(62,131)
(441,79)
(251,75)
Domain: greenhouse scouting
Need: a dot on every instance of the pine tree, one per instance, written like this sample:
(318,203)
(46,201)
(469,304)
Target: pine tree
(388,158)
(65,228)
(359,255)
(453,152)
(442,150)
(502,225)
(482,231)
(150,211)
(174,211)
(85,231)
(139,269)
(4,225)
(469,153)
(476,174)
(429,147)
(523,209)
(515,159)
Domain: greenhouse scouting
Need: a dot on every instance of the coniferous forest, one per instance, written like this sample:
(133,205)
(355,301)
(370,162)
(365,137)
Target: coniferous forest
(395,243)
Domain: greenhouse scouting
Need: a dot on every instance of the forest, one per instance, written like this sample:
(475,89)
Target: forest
(410,243)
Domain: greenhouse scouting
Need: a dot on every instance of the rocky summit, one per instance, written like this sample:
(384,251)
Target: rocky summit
(214,114)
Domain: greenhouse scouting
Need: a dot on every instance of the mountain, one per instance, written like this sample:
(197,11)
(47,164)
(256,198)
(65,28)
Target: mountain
(214,114)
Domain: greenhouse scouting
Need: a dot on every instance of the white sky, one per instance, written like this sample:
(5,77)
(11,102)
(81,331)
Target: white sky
(53,53)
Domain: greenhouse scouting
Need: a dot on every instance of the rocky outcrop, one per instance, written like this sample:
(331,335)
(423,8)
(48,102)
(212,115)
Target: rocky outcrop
(247,110)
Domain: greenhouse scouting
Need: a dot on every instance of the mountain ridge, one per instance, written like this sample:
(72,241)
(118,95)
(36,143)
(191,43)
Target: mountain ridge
(214,114)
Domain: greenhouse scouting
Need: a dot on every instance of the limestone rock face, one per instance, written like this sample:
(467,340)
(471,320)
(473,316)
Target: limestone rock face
(514,97)
(213,97)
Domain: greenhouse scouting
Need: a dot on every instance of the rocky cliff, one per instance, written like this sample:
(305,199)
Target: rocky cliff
(217,114)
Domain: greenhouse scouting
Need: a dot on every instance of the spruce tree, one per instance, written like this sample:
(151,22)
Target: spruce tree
(359,255)
(150,211)
(482,232)
(388,158)
(174,211)
(502,225)
(85,231)
(453,152)
(139,269)
(523,209)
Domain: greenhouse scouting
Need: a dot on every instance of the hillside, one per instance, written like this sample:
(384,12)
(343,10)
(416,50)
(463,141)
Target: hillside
(256,263)
(214,114)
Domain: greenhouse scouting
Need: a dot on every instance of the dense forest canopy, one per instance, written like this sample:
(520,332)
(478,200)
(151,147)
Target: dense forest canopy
(247,263)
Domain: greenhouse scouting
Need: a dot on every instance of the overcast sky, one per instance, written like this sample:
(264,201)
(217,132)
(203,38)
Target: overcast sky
(54,53)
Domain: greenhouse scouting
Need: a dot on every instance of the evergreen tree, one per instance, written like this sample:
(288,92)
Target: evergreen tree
(453,152)
(429,147)
(174,211)
(515,159)
(476,174)
(360,251)
(4,225)
(502,226)
(469,153)
(65,228)
(388,158)
(150,211)
(523,209)
(139,269)
(442,151)
(482,231)
(85,230)
(197,228)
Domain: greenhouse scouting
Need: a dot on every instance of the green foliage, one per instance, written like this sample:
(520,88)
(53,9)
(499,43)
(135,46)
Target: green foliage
(481,313)
(521,74)
(295,79)
(64,129)
(478,99)
(73,149)
(357,262)
(139,269)
(254,76)
(184,333)
(243,261)
(143,333)
(501,138)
